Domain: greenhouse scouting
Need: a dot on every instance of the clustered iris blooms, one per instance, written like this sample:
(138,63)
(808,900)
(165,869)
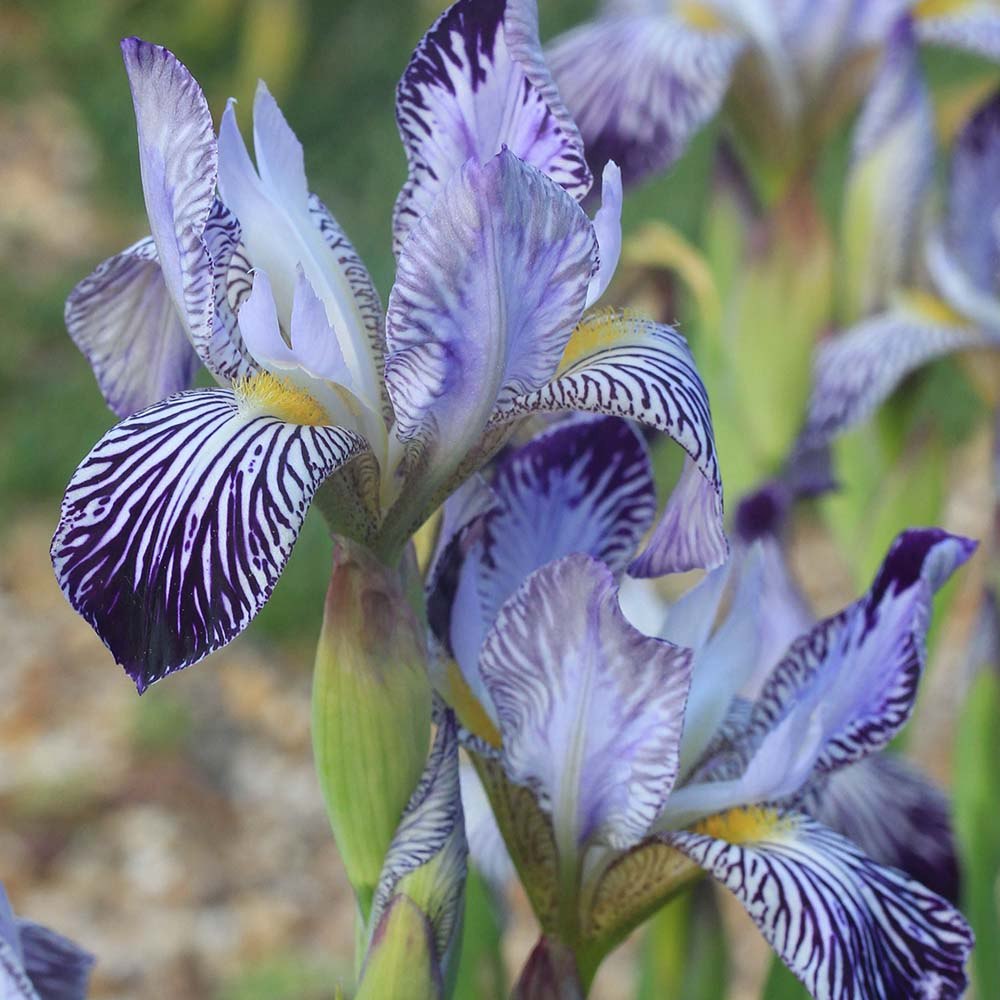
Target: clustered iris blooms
(715,745)
(177,525)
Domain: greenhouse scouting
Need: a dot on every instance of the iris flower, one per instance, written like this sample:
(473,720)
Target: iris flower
(37,963)
(652,759)
(956,307)
(175,528)
(645,75)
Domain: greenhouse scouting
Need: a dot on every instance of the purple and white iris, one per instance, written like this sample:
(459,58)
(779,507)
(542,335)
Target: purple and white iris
(645,75)
(719,745)
(957,308)
(37,963)
(176,526)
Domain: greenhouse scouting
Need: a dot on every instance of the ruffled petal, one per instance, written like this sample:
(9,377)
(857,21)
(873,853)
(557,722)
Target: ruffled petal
(895,815)
(629,367)
(124,321)
(179,162)
(641,86)
(489,286)
(590,709)
(477,83)
(973,26)
(845,925)
(855,372)
(176,526)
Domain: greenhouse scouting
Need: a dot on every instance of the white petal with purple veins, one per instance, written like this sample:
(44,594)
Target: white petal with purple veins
(176,526)
(630,367)
(178,158)
(854,372)
(590,709)
(489,287)
(846,926)
(641,86)
(477,83)
(126,324)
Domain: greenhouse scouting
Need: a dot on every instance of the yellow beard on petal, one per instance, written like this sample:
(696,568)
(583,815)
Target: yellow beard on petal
(265,393)
(599,330)
(699,16)
(929,307)
(938,8)
(745,826)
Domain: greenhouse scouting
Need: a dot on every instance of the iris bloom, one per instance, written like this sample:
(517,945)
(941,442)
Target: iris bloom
(174,529)
(646,75)
(647,757)
(38,964)
(956,308)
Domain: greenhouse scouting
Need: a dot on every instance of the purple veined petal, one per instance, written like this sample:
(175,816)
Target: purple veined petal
(225,354)
(892,167)
(57,968)
(641,86)
(895,815)
(284,228)
(178,158)
(608,227)
(429,846)
(973,26)
(625,366)
(14,981)
(845,925)
(176,526)
(487,849)
(583,486)
(124,321)
(590,709)
(856,371)
(846,688)
(689,534)
(489,286)
(842,691)
(477,83)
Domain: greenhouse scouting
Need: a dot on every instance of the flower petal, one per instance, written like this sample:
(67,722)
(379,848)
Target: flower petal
(489,286)
(176,526)
(608,227)
(284,228)
(846,926)
(895,815)
(641,86)
(426,860)
(179,163)
(590,709)
(891,170)
(690,534)
(477,83)
(487,849)
(964,260)
(625,366)
(856,371)
(846,688)
(124,321)
(57,968)
(972,25)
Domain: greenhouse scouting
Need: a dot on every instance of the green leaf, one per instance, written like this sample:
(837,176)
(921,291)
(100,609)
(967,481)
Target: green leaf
(481,970)
(977,822)
(782,984)
(684,951)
